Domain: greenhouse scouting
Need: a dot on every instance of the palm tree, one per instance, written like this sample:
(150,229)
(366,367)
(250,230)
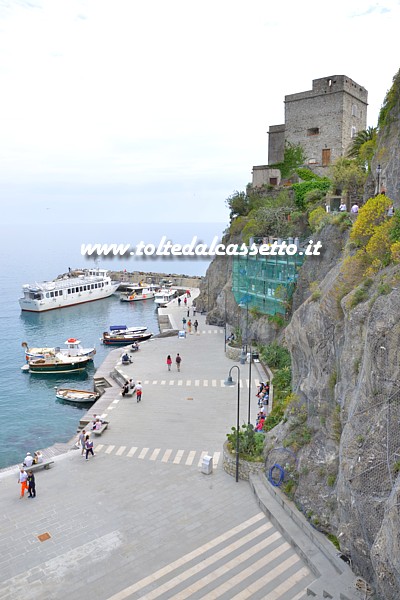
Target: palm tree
(366,136)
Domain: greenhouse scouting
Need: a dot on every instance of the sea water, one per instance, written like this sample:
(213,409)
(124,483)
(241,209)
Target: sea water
(31,416)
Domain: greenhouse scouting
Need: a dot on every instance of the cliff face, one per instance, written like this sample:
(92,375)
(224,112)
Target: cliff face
(345,372)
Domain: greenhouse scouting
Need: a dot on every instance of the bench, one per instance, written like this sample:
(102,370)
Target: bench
(45,465)
(99,431)
(131,393)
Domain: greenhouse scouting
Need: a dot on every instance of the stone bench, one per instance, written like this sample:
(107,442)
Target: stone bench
(42,465)
(99,431)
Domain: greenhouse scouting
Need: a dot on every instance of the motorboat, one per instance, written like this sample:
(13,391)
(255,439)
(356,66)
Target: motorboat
(56,363)
(164,296)
(74,287)
(122,335)
(76,396)
(136,293)
(72,347)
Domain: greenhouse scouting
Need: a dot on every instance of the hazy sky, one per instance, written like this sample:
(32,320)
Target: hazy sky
(138,110)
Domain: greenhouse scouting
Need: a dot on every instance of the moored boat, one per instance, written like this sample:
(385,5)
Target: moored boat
(164,296)
(123,338)
(72,347)
(137,293)
(76,396)
(56,363)
(75,287)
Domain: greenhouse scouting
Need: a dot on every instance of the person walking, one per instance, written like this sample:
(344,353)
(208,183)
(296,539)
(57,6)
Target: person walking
(190,326)
(185,301)
(194,310)
(178,361)
(179,301)
(23,480)
(139,390)
(195,325)
(89,447)
(169,362)
(188,312)
(82,440)
(184,324)
(31,485)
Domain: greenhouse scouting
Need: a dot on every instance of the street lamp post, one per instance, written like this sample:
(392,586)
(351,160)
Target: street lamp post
(230,382)
(225,324)
(378,172)
(250,361)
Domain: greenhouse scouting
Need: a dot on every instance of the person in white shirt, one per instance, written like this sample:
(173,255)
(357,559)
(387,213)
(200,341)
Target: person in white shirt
(342,207)
(354,209)
(28,460)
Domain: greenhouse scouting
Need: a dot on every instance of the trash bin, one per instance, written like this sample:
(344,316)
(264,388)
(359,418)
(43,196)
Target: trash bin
(207,465)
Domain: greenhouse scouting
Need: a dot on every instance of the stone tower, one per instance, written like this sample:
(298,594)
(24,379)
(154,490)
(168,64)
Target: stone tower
(323,120)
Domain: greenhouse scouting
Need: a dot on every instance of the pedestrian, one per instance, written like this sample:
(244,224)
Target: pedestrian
(82,439)
(195,325)
(354,209)
(190,326)
(37,457)
(89,447)
(139,391)
(194,310)
(185,301)
(169,362)
(31,485)
(342,207)
(184,324)
(188,312)
(125,389)
(178,361)
(28,460)
(23,479)
(131,385)
(179,301)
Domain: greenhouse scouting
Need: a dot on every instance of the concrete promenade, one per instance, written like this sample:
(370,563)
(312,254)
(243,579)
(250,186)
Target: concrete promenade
(140,520)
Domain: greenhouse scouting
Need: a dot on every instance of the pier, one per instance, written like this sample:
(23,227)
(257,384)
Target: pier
(141,519)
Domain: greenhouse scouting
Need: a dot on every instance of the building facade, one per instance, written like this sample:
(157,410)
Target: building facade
(323,120)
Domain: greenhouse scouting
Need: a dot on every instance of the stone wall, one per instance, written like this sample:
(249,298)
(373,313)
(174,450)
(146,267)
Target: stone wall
(245,467)
(324,119)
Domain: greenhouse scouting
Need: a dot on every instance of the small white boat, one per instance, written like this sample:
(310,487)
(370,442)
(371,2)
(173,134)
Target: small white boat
(76,396)
(136,293)
(72,347)
(164,296)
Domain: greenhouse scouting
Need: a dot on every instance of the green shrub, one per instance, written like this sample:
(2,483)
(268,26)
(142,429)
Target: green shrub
(275,356)
(251,443)
(331,480)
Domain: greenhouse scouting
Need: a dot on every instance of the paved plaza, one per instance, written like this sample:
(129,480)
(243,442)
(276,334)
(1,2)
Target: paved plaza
(140,519)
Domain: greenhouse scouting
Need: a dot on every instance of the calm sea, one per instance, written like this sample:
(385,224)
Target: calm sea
(31,417)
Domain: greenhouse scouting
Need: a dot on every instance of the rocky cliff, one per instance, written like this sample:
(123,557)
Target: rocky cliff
(344,345)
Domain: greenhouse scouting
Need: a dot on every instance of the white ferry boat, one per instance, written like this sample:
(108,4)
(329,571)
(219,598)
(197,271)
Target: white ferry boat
(72,288)
(164,296)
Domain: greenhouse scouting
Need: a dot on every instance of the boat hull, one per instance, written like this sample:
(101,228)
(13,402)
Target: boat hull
(51,369)
(34,306)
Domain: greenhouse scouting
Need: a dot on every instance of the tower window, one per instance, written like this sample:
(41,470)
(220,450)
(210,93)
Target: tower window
(313,131)
(354,110)
(353,132)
